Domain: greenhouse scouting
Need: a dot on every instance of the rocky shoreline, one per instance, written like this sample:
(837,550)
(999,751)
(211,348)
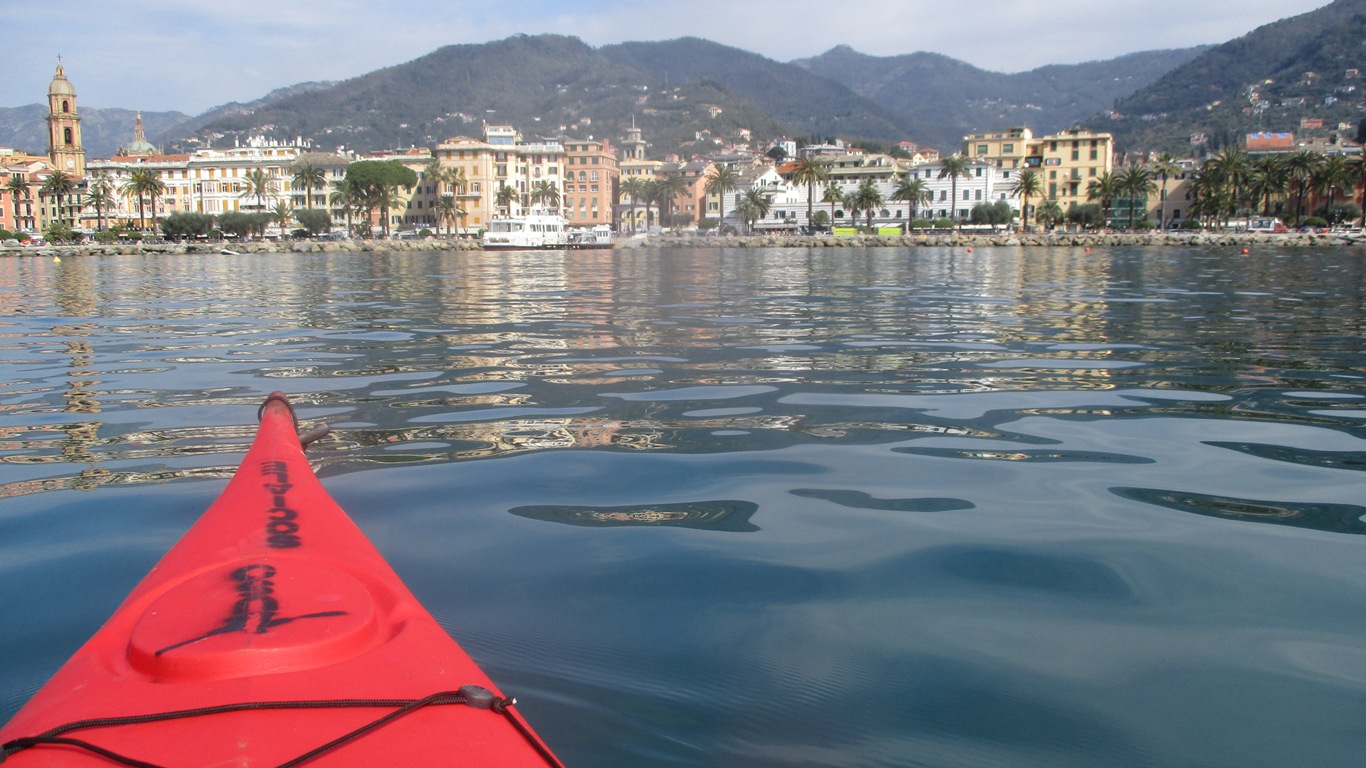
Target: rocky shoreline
(1054,239)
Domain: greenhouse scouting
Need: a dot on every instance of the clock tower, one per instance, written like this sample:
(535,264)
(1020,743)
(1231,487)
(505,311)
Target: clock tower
(64,126)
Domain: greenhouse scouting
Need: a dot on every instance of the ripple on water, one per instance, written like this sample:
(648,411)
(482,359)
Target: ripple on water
(1338,518)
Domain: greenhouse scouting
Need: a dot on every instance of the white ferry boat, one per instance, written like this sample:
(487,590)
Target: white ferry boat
(536,230)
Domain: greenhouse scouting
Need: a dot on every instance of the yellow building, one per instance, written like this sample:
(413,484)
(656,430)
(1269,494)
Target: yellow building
(1006,148)
(1070,161)
(502,159)
(1067,161)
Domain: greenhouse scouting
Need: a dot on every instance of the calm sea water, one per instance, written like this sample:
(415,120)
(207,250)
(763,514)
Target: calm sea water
(757,508)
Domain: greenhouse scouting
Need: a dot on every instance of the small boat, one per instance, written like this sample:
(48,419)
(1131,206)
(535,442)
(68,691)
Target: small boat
(597,238)
(272,634)
(539,229)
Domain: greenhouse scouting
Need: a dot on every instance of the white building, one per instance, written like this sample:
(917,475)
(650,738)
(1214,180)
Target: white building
(984,183)
(211,181)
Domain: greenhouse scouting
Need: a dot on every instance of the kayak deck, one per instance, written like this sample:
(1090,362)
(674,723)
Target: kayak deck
(272,634)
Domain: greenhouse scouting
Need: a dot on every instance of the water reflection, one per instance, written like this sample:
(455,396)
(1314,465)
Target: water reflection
(453,356)
(731,516)
(1338,518)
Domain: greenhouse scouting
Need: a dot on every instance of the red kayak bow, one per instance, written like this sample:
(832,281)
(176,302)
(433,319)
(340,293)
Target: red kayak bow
(272,634)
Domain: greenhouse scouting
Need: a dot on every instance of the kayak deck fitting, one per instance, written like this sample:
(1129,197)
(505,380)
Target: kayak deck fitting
(272,634)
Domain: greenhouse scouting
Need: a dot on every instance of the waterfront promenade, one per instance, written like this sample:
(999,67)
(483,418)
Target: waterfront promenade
(1053,239)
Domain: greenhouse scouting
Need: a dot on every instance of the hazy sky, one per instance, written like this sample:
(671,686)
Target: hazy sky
(191,55)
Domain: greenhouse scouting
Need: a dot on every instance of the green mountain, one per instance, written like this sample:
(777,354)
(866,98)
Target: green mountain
(806,104)
(546,85)
(929,88)
(1267,80)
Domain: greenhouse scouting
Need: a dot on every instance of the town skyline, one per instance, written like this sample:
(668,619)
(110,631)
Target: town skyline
(191,57)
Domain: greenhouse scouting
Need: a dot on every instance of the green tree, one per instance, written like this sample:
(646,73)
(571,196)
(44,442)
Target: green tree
(752,207)
(179,226)
(281,216)
(309,177)
(636,188)
(315,221)
(869,199)
(665,190)
(1331,178)
(258,184)
(100,194)
(346,198)
(59,186)
(1136,182)
(378,182)
(505,198)
(1165,167)
(953,168)
(17,187)
(833,196)
(721,181)
(913,192)
(1302,166)
(1268,179)
(1356,173)
(808,172)
(1104,189)
(1049,214)
(143,183)
(1027,184)
(546,193)
(1087,216)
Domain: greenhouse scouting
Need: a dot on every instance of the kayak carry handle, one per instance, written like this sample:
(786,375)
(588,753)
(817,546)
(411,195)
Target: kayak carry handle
(305,439)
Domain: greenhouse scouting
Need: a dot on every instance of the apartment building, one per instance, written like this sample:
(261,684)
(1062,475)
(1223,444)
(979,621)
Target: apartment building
(501,159)
(591,178)
(1067,161)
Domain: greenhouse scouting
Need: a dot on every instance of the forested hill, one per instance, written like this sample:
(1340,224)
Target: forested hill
(1306,66)
(932,88)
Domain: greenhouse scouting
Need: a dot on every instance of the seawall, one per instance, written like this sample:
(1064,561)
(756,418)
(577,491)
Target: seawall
(1055,239)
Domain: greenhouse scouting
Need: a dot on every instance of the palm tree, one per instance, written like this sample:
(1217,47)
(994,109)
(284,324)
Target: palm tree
(101,195)
(258,184)
(1269,178)
(448,210)
(545,193)
(1332,176)
(1026,185)
(505,198)
(282,215)
(1136,181)
(954,167)
(310,177)
(1049,214)
(1356,173)
(634,187)
(1165,167)
(1104,188)
(810,170)
(913,192)
(869,199)
(834,197)
(144,183)
(753,206)
(59,186)
(721,181)
(346,196)
(665,191)
(1302,166)
(17,186)
(1233,168)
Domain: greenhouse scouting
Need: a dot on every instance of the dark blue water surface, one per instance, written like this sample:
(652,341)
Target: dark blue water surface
(756,507)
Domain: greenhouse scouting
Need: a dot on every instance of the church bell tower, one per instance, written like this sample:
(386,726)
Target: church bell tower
(64,126)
